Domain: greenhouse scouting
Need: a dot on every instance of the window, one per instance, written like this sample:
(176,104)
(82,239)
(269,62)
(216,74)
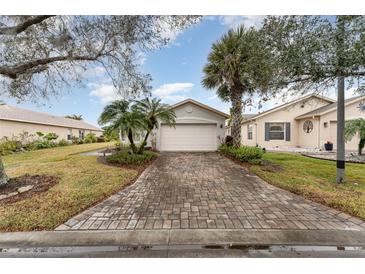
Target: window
(69,135)
(276,131)
(81,134)
(249,132)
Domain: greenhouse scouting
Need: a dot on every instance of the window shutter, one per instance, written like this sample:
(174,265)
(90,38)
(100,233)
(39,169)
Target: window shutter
(267,128)
(287,131)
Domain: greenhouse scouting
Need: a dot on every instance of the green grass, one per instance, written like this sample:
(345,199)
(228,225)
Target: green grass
(316,179)
(83,182)
(124,158)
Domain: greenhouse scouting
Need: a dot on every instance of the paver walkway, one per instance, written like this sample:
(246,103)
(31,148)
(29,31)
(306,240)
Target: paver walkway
(206,190)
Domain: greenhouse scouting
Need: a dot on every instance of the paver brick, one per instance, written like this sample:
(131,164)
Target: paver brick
(206,190)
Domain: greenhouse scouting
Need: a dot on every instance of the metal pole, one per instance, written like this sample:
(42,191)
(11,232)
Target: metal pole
(340,174)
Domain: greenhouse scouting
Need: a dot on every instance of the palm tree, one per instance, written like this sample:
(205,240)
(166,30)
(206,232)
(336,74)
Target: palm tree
(119,116)
(154,111)
(74,117)
(238,65)
(352,127)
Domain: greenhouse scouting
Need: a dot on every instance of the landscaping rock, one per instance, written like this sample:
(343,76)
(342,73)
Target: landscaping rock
(12,194)
(3,196)
(25,188)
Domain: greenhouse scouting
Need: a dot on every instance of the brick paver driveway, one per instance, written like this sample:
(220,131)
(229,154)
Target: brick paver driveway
(206,190)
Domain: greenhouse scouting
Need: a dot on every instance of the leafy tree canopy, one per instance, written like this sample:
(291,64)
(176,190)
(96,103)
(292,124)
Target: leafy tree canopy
(311,51)
(40,55)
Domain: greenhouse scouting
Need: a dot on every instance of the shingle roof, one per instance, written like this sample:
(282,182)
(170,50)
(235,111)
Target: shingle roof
(329,107)
(12,113)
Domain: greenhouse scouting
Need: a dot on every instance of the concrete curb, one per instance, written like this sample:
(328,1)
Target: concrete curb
(182,237)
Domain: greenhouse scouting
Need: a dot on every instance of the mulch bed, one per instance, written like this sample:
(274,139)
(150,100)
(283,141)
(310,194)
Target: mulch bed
(266,165)
(138,168)
(41,183)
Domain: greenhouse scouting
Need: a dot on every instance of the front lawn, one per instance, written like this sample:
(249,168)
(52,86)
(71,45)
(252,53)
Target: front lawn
(83,181)
(315,180)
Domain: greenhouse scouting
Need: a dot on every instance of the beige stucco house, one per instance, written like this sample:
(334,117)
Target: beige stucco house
(14,120)
(198,127)
(307,122)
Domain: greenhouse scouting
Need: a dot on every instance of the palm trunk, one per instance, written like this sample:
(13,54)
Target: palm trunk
(120,137)
(131,142)
(361,146)
(3,177)
(236,99)
(144,143)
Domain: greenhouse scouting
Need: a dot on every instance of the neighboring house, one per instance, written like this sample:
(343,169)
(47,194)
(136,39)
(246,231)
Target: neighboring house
(14,120)
(198,128)
(307,122)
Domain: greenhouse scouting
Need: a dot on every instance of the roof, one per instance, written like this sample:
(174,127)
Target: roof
(245,117)
(329,108)
(289,104)
(12,113)
(189,100)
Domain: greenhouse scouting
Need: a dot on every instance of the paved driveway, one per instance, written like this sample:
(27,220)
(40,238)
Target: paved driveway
(206,191)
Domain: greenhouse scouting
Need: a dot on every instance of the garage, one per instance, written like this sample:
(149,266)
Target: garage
(189,137)
(198,127)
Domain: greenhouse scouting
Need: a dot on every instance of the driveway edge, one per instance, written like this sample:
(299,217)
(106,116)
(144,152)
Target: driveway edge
(182,237)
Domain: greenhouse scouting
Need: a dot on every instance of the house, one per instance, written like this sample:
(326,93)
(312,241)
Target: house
(14,120)
(307,122)
(198,128)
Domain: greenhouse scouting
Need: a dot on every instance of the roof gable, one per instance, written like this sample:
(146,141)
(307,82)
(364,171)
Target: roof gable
(189,100)
(16,114)
(295,101)
(331,107)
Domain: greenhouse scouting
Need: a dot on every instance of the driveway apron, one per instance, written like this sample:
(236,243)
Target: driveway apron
(182,190)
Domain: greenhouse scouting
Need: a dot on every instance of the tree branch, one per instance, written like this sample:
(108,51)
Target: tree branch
(14,71)
(24,25)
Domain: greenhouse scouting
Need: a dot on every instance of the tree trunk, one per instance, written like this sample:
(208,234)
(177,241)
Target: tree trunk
(120,137)
(340,174)
(144,143)
(3,177)
(236,99)
(131,142)
(361,146)
(340,178)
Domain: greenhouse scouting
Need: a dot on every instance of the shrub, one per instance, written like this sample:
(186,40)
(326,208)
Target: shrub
(63,143)
(100,139)
(76,140)
(124,157)
(50,136)
(243,153)
(90,138)
(9,146)
(41,145)
(228,140)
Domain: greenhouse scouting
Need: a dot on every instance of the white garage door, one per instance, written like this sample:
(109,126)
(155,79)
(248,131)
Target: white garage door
(189,137)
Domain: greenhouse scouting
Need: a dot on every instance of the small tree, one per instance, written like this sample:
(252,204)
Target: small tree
(120,117)
(238,65)
(313,54)
(353,127)
(153,111)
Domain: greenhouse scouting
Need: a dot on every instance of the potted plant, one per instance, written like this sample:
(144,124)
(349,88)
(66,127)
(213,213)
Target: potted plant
(328,146)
